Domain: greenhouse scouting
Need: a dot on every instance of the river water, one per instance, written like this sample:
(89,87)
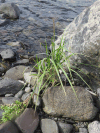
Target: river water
(35,25)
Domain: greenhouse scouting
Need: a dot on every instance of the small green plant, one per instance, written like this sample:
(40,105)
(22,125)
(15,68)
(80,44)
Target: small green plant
(11,111)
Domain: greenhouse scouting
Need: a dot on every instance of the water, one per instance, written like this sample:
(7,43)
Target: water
(35,24)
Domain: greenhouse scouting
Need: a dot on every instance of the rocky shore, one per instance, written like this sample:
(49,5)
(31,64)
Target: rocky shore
(56,112)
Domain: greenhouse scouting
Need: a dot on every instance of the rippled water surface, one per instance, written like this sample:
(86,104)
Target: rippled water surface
(35,24)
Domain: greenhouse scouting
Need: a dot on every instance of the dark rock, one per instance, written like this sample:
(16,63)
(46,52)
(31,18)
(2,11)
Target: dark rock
(2,1)
(8,127)
(17,72)
(49,126)
(10,86)
(65,128)
(7,54)
(28,121)
(58,103)
(4,22)
(11,10)
(19,94)
(9,100)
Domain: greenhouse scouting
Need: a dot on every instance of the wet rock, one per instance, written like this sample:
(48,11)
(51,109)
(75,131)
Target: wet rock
(9,100)
(65,128)
(2,1)
(22,62)
(11,10)
(19,94)
(83,130)
(7,54)
(28,121)
(13,44)
(4,22)
(82,36)
(17,72)
(58,103)
(8,85)
(49,126)
(94,127)
(8,127)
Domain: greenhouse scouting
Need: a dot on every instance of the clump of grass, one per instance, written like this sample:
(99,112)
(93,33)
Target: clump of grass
(11,111)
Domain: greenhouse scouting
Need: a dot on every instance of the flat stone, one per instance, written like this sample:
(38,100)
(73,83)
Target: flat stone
(22,62)
(65,128)
(49,126)
(28,121)
(8,85)
(7,54)
(58,103)
(94,127)
(19,94)
(17,72)
(9,95)
(9,100)
(8,127)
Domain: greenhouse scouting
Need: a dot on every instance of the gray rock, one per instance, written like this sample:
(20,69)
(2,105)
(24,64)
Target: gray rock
(22,62)
(4,22)
(83,130)
(9,95)
(25,96)
(9,100)
(82,36)
(11,10)
(65,128)
(28,121)
(19,94)
(7,54)
(49,126)
(27,89)
(8,127)
(17,72)
(58,103)
(10,86)
(37,100)
(94,127)
(2,1)
(1,111)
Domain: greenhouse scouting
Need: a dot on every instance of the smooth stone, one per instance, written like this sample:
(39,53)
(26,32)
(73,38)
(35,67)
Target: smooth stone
(59,103)
(21,62)
(10,9)
(7,54)
(9,127)
(49,126)
(19,94)
(8,85)
(27,89)
(28,121)
(13,44)
(64,128)
(94,127)
(36,100)
(25,96)
(9,100)
(83,130)
(9,95)
(17,72)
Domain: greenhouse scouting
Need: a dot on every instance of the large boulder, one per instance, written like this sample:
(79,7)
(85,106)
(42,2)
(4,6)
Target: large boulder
(58,103)
(10,9)
(82,37)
